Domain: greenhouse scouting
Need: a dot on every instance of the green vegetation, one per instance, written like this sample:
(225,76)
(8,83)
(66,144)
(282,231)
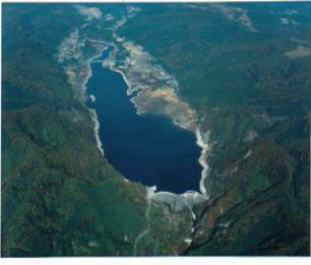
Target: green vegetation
(61,198)
(253,98)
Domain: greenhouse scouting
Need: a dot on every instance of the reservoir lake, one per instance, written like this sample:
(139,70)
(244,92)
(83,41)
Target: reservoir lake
(147,148)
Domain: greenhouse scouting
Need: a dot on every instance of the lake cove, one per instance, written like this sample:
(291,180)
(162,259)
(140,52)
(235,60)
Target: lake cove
(145,148)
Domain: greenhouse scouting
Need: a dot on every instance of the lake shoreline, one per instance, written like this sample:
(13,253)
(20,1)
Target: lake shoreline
(154,153)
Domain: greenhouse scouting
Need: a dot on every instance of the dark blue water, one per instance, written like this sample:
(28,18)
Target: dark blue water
(149,148)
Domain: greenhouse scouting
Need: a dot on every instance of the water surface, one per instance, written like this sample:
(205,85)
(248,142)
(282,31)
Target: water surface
(149,149)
